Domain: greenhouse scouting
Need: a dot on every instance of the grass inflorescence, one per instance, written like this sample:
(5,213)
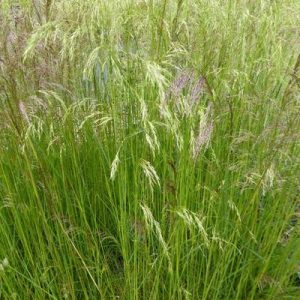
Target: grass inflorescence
(149,149)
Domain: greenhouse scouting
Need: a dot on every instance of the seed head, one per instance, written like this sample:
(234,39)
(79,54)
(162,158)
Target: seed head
(204,134)
(23,111)
(180,82)
(197,90)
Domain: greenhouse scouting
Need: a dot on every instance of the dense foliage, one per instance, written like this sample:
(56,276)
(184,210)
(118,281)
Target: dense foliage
(149,149)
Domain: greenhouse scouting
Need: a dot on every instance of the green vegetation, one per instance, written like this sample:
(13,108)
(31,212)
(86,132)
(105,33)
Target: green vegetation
(149,149)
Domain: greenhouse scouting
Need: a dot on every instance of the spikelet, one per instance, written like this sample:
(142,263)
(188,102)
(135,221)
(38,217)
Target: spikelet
(204,133)
(196,91)
(234,208)
(182,80)
(87,118)
(156,75)
(144,110)
(173,124)
(150,131)
(23,111)
(222,242)
(154,226)
(193,220)
(151,137)
(268,180)
(103,121)
(114,166)
(91,62)
(150,173)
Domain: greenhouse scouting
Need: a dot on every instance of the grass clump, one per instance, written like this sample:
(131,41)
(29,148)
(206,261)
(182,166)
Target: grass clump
(149,149)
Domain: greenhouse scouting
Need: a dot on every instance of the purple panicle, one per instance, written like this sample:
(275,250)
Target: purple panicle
(180,82)
(197,90)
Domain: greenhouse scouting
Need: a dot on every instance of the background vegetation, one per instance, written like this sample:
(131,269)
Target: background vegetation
(149,149)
